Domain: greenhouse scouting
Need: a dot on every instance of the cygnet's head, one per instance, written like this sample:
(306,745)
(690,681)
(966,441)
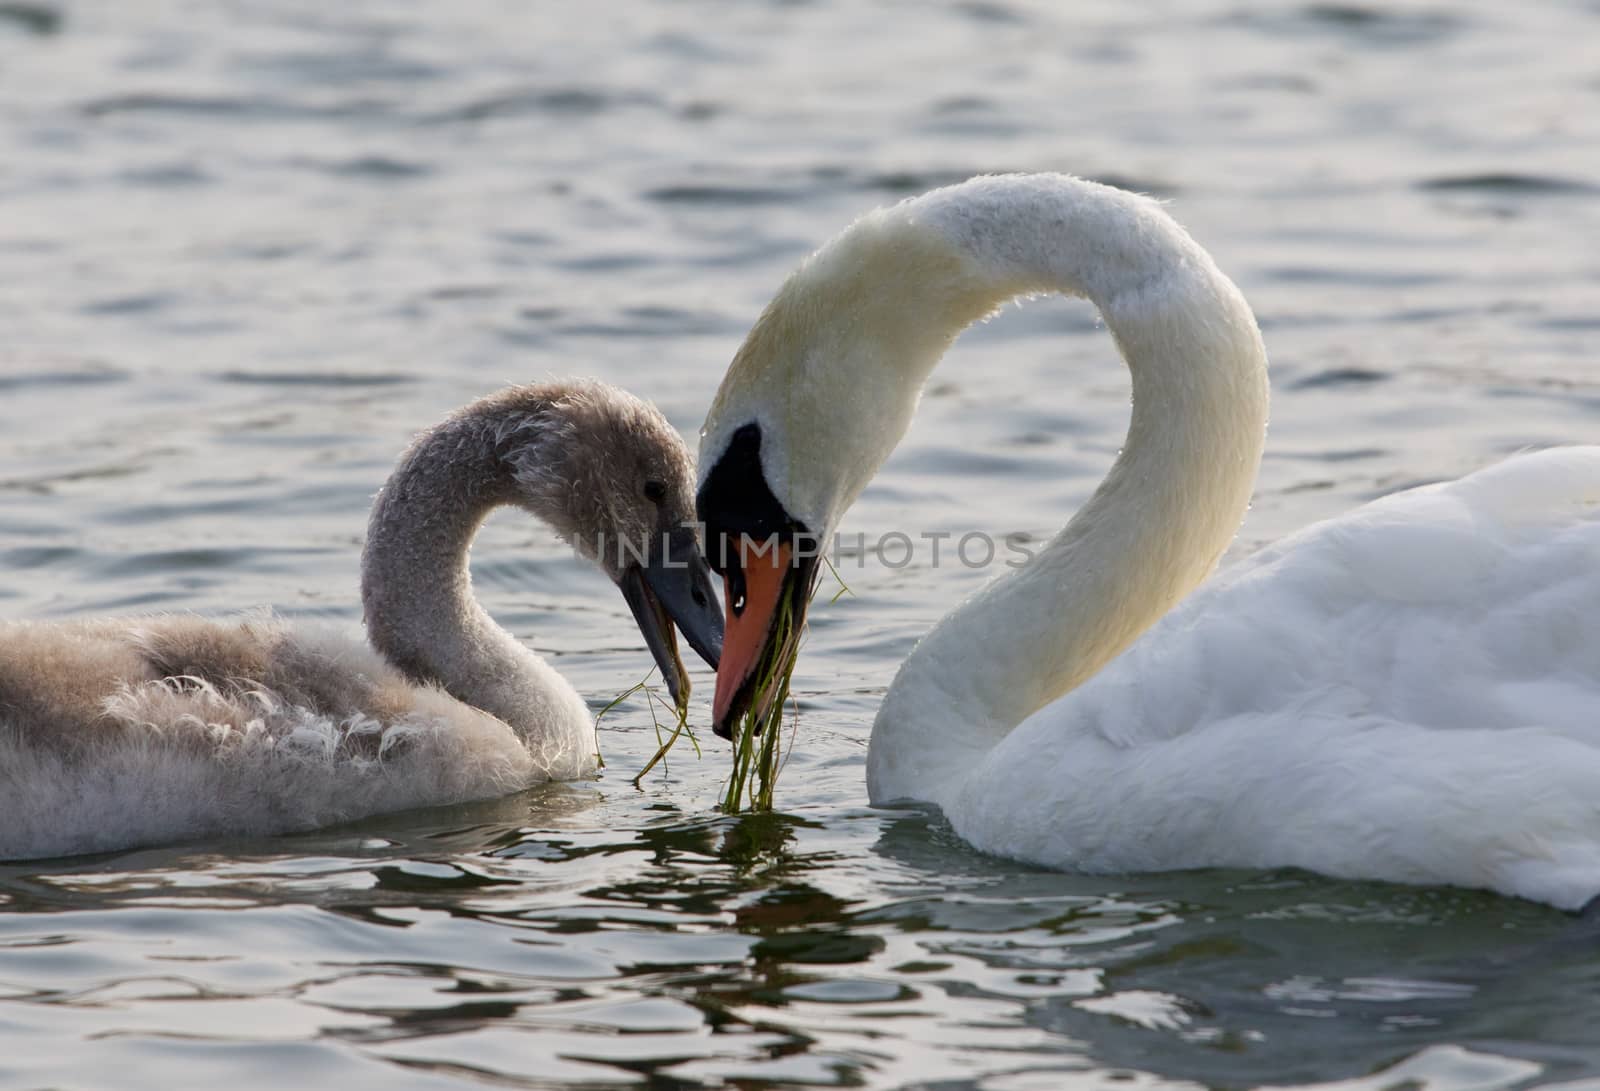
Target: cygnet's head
(614,478)
(602,467)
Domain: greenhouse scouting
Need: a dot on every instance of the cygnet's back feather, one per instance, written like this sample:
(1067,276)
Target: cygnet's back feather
(172,727)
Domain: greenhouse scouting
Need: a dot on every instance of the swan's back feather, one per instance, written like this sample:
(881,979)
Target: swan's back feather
(167,728)
(1407,692)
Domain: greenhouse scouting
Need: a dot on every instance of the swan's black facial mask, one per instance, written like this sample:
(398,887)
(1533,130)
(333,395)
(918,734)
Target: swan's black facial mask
(763,554)
(675,588)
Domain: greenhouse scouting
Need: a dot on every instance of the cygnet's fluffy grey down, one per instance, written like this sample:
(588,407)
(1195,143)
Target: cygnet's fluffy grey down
(122,732)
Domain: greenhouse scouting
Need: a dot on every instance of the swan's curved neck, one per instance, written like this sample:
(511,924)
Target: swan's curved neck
(416,587)
(1165,513)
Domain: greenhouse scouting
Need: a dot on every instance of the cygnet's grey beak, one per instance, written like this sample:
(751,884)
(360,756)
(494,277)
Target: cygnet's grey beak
(674,588)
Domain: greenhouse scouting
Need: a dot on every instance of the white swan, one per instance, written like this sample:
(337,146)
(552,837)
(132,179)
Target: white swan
(135,731)
(1410,692)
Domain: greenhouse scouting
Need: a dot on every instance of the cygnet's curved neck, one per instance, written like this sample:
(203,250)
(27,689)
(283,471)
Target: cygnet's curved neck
(416,588)
(1164,514)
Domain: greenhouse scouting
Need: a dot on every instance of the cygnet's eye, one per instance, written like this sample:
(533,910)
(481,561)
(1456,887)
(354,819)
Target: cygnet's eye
(655,491)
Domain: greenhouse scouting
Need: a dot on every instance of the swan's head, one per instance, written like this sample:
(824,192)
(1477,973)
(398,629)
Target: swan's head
(826,383)
(614,479)
(823,388)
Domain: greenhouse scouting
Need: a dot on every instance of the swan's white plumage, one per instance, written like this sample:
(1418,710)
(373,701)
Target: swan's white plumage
(1403,693)
(1407,692)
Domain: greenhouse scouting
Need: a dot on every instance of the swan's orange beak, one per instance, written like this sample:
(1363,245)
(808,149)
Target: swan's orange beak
(762,635)
(754,590)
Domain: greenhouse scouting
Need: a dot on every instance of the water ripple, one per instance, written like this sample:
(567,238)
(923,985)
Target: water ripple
(1508,183)
(37,19)
(316,378)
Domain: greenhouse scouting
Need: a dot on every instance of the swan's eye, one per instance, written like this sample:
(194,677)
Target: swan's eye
(655,491)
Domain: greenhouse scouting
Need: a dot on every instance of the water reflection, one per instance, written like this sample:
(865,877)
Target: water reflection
(700,948)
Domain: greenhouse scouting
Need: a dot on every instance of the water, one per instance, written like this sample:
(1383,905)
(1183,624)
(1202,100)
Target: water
(248,249)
